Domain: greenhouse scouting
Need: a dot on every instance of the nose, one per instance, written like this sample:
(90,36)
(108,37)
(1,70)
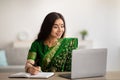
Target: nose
(59,29)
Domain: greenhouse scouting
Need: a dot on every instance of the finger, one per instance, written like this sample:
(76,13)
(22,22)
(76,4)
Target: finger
(35,72)
(36,68)
(32,72)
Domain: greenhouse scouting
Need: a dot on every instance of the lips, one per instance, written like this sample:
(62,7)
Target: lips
(59,34)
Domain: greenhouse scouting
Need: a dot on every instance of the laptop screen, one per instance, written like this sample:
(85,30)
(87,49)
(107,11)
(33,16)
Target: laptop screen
(88,63)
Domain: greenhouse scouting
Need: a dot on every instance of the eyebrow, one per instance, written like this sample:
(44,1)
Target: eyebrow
(58,24)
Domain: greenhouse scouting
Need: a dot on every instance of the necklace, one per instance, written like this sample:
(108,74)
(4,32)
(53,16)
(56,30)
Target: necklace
(51,43)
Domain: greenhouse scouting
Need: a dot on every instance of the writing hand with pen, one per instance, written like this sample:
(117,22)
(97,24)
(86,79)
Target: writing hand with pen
(32,68)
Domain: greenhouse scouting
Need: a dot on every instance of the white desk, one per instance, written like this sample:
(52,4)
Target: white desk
(108,76)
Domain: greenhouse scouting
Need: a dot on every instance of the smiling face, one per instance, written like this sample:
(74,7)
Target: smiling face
(57,29)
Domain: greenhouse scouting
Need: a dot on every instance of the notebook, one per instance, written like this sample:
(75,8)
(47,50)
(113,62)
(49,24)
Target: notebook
(28,75)
(88,63)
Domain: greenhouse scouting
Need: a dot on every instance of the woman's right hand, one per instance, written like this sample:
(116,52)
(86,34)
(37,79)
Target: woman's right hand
(34,70)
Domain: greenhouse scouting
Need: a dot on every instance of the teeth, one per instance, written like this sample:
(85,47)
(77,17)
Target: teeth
(58,34)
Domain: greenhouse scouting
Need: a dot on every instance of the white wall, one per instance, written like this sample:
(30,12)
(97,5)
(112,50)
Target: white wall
(100,17)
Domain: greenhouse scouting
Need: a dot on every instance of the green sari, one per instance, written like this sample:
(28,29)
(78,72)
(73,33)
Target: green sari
(56,58)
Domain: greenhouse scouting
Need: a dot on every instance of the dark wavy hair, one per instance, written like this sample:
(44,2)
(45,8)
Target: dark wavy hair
(47,25)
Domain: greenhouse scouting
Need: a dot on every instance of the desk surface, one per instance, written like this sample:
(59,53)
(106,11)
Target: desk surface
(108,76)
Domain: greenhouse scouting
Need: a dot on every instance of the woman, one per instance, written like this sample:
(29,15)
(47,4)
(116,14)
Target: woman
(50,51)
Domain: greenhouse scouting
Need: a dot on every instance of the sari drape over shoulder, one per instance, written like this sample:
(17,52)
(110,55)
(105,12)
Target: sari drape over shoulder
(56,58)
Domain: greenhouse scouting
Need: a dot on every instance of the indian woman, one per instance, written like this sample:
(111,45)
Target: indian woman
(51,51)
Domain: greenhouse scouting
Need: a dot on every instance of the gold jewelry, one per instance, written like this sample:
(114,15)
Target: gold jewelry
(51,43)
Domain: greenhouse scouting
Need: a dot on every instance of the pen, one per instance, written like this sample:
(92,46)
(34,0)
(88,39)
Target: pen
(36,62)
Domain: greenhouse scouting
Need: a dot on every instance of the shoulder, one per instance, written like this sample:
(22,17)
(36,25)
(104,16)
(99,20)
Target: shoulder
(36,42)
(35,45)
(71,42)
(70,39)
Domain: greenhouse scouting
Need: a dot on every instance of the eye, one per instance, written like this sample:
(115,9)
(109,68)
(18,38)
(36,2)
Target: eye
(55,26)
(62,26)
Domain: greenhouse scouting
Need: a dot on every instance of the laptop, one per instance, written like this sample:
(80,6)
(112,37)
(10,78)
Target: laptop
(88,63)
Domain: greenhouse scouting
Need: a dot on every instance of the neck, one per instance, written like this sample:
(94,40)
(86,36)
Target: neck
(51,39)
(51,42)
